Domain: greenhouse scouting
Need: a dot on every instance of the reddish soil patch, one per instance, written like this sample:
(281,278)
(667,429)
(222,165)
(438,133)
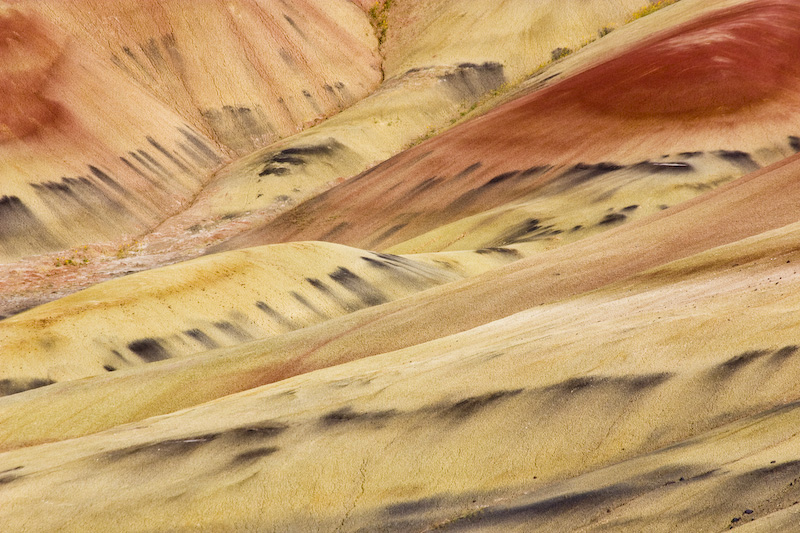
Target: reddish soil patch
(27,55)
(718,64)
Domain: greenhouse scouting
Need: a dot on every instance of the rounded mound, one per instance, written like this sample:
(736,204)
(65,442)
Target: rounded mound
(718,64)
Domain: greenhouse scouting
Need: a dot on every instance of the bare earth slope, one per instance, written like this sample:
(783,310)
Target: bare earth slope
(410,438)
(83,161)
(165,52)
(188,308)
(80,161)
(271,68)
(575,312)
(711,85)
(724,216)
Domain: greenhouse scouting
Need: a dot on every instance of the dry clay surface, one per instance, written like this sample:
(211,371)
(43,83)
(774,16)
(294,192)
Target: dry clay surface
(114,118)
(191,307)
(179,310)
(411,438)
(270,67)
(225,90)
(576,312)
(725,82)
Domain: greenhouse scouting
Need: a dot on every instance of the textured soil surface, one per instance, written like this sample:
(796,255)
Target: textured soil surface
(491,265)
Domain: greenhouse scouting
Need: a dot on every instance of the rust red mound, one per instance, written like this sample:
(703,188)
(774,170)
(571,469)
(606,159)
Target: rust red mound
(716,65)
(727,82)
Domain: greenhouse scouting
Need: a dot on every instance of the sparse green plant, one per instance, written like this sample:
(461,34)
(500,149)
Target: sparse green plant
(127,248)
(430,132)
(560,52)
(654,6)
(76,257)
(379,16)
(470,110)
(605,30)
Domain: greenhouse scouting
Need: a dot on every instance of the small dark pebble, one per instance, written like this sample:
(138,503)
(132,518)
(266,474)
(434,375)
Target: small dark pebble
(772,462)
(748,511)
(734,520)
(682,479)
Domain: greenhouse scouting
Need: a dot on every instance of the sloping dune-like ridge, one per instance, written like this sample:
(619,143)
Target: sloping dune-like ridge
(744,208)
(271,68)
(424,34)
(575,307)
(743,56)
(420,94)
(78,158)
(588,199)
(114,118)
(637,106)
(459,399)
(162,53)
(191,307)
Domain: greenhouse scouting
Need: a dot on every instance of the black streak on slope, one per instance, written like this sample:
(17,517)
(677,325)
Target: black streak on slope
(202,338)
(14,386)
(328,293)
(739,362)
(276,316)
(17,222)
(738,158)
(233,331)
(469,406)
(358,286)
(347,415)
(308,305)
(150,350)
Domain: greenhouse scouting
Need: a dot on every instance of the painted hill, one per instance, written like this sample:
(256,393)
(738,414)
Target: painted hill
(425,95)
(271,68)
(115,118)
(511,287)
(645,113)
(80,160)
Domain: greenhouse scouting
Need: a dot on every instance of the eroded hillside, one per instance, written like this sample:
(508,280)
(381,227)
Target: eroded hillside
(405,266)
